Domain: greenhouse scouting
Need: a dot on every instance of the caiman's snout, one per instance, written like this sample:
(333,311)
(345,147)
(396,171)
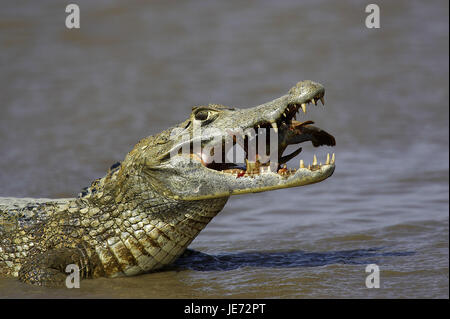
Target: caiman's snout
(280,115)
(306,90)
(219,131)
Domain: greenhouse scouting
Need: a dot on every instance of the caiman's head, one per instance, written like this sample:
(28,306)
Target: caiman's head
(195,160)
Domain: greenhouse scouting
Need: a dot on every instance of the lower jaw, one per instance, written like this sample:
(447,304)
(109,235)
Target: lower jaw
(254,169)
(273,181)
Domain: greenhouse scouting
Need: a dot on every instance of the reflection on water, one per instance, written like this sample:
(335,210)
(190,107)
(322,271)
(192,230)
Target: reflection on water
(198,261)
(75,102)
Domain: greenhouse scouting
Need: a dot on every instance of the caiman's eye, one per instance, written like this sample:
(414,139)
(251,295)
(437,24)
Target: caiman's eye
(202,115)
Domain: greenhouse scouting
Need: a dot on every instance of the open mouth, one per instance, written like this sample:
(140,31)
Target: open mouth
(288,131)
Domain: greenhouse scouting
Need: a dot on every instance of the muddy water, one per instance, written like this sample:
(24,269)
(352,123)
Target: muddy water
(75,102)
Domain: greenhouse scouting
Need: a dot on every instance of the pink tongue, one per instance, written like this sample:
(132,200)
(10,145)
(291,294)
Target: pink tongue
(204,157)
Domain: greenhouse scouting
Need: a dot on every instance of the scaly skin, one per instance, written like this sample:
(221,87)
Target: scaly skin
(146,211)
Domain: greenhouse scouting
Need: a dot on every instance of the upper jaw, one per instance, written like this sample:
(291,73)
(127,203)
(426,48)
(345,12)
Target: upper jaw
(285,108)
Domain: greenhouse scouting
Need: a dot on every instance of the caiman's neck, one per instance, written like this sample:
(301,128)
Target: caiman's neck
(124,189)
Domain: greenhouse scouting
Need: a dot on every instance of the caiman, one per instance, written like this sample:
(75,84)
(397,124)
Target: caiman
(147,209)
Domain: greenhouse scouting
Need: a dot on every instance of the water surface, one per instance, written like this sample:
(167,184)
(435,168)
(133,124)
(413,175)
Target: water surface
(75,102)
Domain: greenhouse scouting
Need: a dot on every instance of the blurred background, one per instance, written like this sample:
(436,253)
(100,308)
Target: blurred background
(75,101)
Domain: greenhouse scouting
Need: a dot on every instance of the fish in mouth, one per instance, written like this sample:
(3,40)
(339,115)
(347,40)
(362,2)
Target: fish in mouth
(289,132)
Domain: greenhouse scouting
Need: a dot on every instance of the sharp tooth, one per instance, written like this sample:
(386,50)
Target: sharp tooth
(259,126)
(309,166)
(275,127)
(304,107)
(302,165)
(322,100)
(314,101)
(284,114)
(328,159)
(333,158)
(315,160)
